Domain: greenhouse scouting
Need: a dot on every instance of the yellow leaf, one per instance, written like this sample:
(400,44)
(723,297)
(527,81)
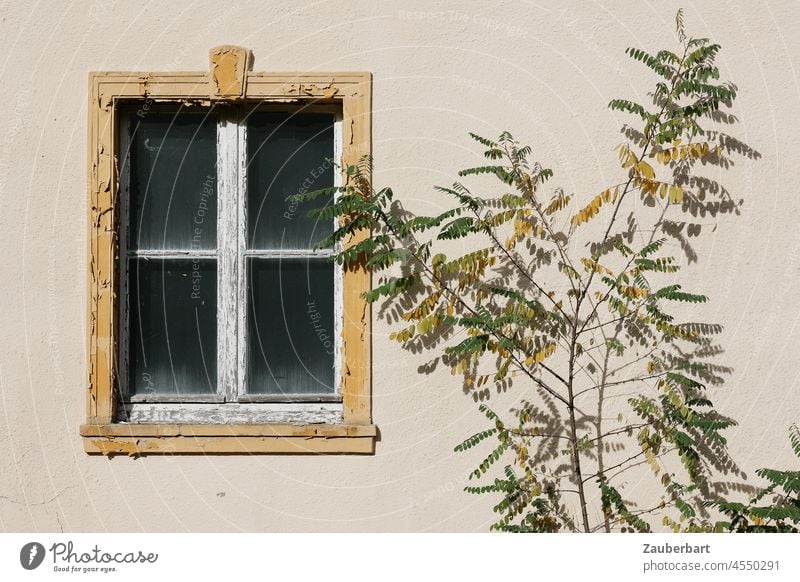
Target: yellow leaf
(544,353)
(557,204)
(649,187)
(645,169)
(626,157)
(591,209)
(675,194)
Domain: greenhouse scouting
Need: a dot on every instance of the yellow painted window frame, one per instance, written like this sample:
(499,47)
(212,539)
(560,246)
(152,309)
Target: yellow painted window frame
(228,79)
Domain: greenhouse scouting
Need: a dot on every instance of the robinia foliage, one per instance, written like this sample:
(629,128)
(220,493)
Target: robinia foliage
(576,301)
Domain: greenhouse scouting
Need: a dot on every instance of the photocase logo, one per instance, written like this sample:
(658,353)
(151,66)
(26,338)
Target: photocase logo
(31,555)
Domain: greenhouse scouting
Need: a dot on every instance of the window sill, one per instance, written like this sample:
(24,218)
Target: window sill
(168,439)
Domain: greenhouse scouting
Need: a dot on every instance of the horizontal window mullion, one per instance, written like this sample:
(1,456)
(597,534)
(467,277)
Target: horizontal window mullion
(290,398)
(158,254)
(290,254)
(176,398)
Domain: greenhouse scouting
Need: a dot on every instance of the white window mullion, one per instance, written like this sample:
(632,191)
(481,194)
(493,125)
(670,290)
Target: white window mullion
(124,301)
(241,246)
(338,273)
(227,254)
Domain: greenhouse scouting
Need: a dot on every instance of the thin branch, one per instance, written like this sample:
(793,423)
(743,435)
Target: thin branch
(617,383)
(626,428)
(634,465)
(435,278)
(629,459)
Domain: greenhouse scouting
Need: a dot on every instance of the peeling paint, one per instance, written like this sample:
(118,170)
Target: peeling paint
(143,80)
(229,65)
(349,440)
(227,79)
(116,447)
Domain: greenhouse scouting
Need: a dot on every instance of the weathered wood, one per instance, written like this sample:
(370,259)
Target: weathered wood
(273,429)
(235,413)
(351,92)
(229,66)
(241,248)
(228,234)
(357,369)
(141,446)
(144,439)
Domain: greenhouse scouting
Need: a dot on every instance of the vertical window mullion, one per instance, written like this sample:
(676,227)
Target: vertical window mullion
(241,245)
(227,253)
(338,273)
(124,311)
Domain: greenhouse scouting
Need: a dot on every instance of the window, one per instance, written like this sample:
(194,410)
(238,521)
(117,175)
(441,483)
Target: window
(216,325)
(226,300)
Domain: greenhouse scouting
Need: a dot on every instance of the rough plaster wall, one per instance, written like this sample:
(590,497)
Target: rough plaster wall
(545,73)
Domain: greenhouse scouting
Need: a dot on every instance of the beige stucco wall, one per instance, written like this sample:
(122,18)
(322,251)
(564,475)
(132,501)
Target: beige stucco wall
(544,73)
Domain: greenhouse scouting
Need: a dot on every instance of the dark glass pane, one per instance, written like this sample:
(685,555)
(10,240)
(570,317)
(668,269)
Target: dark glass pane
(173,181)
(290,326)
(287,154)
(173,326)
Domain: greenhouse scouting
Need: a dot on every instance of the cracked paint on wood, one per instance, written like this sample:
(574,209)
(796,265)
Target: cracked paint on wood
(228,79)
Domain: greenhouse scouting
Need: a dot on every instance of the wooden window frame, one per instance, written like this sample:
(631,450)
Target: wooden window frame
(231,402)
(228,80)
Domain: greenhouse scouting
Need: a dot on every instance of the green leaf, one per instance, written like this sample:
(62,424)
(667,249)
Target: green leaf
(474,440)
(392,287)
(502,173)
(650,61)
(482,140)
(471,345)
(458,228)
